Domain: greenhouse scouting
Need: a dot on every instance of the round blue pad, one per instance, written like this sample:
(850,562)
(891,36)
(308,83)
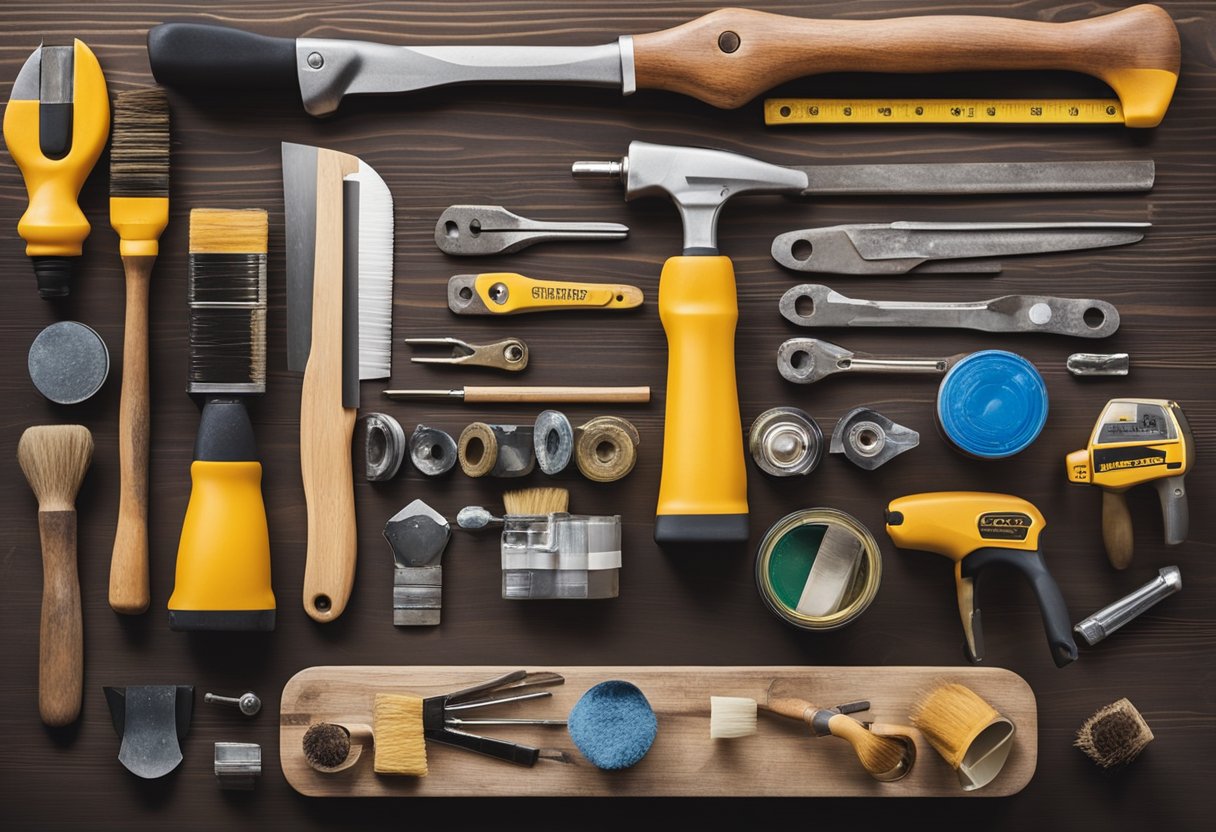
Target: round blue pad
(992,404)
(613,725)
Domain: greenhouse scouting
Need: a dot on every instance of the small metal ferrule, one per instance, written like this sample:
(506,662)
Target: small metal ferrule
(1099,364)
(553,441)
(384,446)
(1110,618)
(497,450)
(238,765)
(433,451)
(606,448)
(785,442)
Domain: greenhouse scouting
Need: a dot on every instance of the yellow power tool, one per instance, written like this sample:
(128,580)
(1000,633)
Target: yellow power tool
(55,126)
(1137,441)
(977,530)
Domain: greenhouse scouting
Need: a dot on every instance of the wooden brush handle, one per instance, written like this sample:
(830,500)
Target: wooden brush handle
(792,708)
(523,394)
(1117,528)
(129,562)
(326,427)
(728,57)
(60,638)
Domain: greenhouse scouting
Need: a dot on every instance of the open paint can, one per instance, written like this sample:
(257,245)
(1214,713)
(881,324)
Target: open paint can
(818,569)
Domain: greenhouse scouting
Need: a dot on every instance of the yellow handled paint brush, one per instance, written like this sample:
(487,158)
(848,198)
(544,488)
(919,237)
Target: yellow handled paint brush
(139,212)
(223,559)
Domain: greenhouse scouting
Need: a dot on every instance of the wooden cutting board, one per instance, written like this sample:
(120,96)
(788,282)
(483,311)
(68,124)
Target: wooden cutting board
(781,759)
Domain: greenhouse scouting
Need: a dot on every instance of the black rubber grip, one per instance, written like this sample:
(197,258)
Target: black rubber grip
(679,529)
(1056,621)
(225,433)
(201,56)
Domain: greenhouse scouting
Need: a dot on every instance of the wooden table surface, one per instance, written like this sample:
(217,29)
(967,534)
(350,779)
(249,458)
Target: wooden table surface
(513,146)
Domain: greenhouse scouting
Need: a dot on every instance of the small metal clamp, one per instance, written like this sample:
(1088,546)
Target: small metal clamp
(510,354)
(238,765)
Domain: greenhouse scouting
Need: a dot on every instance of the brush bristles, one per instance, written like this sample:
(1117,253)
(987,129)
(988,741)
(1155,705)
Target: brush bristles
(227,297)
(951,716)
(326,745)
(400,743)
(54,459)
(536,501)
(880,756)
(139,152)
(228,231)
(1115,735)
(731,716)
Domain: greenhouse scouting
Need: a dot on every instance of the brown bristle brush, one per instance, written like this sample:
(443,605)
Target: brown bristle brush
(969,734)
(139,212)
(536,501)
(330,747)
(54,459)
(884,757)
(1115,735)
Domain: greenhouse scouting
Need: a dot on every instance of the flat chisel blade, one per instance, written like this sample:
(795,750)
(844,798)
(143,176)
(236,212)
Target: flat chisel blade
(978,178)
(300,212)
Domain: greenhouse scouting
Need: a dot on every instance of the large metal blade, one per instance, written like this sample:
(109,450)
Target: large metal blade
(300,212)
(978,178)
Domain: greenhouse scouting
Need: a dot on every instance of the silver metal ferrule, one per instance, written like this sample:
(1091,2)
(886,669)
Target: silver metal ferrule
(599,170)
(1107,620)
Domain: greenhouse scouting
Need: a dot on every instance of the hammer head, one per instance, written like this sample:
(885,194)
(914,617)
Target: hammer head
(699,180)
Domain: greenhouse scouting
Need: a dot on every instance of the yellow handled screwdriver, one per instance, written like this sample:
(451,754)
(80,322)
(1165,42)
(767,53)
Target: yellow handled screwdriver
(55,126)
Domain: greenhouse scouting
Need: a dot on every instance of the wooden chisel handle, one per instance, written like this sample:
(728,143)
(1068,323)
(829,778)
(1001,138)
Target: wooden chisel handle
(60,639)
(728,57)
(572,395)
(129,562)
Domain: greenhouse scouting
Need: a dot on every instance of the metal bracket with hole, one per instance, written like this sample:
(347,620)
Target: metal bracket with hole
(433,451)
(868,439)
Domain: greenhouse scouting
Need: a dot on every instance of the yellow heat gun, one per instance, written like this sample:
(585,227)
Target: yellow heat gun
(977,530)
(55,126)
(1137,441)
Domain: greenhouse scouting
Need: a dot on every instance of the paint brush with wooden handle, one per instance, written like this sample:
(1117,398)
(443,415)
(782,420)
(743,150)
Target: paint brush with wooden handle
(54,459)
(139,212)
(885,758)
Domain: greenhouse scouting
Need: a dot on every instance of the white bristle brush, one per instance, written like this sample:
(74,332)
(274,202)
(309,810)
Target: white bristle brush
(731,716)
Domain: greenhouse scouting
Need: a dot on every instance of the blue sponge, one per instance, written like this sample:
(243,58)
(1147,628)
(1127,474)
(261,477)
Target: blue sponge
(613,725)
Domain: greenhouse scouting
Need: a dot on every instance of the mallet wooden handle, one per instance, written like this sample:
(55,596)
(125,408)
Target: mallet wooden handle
(1117,528)
(60,638)
(728,57)
(129,561)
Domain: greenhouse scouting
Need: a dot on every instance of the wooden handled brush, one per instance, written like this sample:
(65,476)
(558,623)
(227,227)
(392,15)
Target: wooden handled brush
(54,459)
(139,212)
(885,758)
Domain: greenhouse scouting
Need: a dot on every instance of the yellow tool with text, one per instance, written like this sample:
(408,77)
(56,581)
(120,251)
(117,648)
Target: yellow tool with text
(977,530)
(1137,441)
(778,111)
(507,293)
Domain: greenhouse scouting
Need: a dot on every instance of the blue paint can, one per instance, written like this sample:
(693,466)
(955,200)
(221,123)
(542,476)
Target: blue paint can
(992,404)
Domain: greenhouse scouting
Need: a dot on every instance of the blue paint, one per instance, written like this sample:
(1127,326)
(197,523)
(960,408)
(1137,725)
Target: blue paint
(992,404)
(613,725)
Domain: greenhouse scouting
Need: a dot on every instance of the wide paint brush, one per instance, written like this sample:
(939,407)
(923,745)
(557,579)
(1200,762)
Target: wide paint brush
(223,559)
(139,212)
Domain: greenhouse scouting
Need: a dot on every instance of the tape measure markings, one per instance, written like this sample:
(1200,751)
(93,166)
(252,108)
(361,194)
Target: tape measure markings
(942,111)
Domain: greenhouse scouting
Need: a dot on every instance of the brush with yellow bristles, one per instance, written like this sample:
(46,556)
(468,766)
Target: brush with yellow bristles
(969,734)
(536,501)
(223,559)
(139,212)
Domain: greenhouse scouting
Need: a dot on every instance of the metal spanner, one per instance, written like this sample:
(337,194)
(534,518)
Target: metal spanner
(817,305)
(807,360)
(933,247)
(510,354)
(465,230)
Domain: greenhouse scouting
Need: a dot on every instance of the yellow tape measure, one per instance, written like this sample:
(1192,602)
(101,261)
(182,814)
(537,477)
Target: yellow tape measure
(942,111)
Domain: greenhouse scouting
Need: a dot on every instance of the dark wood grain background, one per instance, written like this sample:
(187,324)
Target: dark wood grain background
(514,147)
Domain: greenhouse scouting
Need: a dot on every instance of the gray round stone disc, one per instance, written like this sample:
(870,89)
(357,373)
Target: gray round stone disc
(68,362)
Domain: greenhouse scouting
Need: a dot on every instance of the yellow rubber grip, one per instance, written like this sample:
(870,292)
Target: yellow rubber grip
(223,559)
(139,221)
(703,464)
(526,294)
(53,224)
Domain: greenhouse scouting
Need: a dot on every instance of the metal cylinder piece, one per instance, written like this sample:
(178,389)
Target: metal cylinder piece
(869,439)
(496,450)
(785,442)
(553,440)
(68,362)
(384,447)
(433,451)
(606,448)
(1105,621)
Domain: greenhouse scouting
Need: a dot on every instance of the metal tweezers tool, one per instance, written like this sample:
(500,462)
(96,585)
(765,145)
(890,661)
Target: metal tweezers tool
(902,247)
(491,229)
(439,715)
(510,354)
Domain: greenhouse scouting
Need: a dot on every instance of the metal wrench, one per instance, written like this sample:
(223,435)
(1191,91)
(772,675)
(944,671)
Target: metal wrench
(807,360)
(817,305)
(510,354)
(465,230)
